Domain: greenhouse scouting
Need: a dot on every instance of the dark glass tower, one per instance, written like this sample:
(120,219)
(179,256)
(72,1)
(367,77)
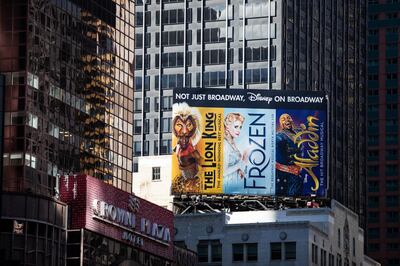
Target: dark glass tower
(383,230)
(68,109)
(281,45)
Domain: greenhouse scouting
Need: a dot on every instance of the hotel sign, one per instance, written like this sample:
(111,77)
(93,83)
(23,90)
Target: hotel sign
(135,229)
(119,215)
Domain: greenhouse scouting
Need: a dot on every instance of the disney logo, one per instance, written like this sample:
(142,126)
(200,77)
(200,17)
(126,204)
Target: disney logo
(253,97)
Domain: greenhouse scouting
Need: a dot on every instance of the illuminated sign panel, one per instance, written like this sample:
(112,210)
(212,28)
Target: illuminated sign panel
(257,142)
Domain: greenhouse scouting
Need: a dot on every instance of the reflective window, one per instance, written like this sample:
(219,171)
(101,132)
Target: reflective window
(139,18)
(139,40)
(215,35)
(214,57)
(256,76)
(215,12)
(139,62)
(174,16)
(173,59)
(216,78)
(173,38)
(257,54)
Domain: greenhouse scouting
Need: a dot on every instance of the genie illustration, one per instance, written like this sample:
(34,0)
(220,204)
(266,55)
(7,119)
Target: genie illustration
(289,181)
(186,128)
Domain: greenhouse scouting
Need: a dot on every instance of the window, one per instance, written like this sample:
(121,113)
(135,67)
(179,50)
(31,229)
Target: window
(165,147)
(216,251)
(137,148)
(170,81)
(257,76)
(139,18)
(139,40)
(257,54)
(156,173)
(373,217)
(30,160)
(137,126)
(392,232)
(173,38)
(339,235)
(166,103)
(156,125)
(339,260)
(146,126)
(392,201)
(392,246)
(202,250)
(257,9)
(173,59)
(53,130)
(173,16)
(211,79)
(146,148)
(138,83)
(139,62)
(276,251)
(331,259)
(314,253)
(373,186)
(323,257)
(257,32)
(214,35)
(156,147)
(16,159)
(392,217)
(138,105)
(290,250)
(33,80)
(392,185)
(209,251)
(214,12)
(33,120)
(147,104)
(245,252)
(372,247)
(214,57)
(252,251)
(166,125)
(237,252)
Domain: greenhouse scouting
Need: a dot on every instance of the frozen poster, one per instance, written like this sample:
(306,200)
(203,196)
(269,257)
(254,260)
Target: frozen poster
(249,151)
(300,153)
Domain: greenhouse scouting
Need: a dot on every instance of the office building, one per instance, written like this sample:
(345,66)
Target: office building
(68,108)
(383,237)
(307,236)
(274,44)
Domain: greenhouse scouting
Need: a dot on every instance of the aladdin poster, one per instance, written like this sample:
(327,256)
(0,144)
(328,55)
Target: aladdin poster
(257,142)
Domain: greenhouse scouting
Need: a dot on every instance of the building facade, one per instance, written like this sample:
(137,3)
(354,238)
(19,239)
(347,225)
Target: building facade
(383,173)
(68,108)
(316,236)
(274,44)
(109,226)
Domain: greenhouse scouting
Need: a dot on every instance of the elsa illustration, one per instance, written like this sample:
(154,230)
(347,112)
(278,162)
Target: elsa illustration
(234,161)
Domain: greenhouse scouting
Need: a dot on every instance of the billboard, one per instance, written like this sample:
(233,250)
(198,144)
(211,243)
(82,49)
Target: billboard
(241,142)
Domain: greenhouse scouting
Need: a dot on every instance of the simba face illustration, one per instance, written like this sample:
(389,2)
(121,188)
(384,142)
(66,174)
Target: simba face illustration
(184,129)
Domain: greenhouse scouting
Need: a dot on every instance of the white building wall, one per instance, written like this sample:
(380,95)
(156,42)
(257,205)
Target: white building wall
(156,191)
